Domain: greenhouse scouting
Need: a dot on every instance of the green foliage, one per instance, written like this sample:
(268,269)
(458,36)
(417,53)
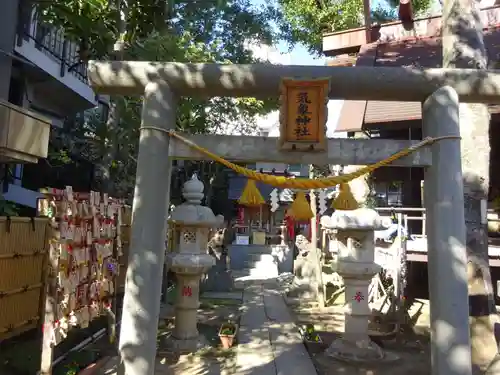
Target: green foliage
(72,369)
(95,24)
(193,31)
(199,115)
(310,334)
(228,329)
(321,171)
(305,21)
(98,24)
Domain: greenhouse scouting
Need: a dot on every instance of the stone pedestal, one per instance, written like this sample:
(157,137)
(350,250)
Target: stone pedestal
(192,224)
(356,264)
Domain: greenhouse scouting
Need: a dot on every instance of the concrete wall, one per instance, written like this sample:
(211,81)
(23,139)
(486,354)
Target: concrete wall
(8,20)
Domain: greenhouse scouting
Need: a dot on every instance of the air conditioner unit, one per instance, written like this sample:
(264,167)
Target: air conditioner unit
(24,135)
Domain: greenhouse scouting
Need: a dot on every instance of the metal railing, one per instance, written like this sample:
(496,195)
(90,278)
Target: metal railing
(407,215)
(53,43)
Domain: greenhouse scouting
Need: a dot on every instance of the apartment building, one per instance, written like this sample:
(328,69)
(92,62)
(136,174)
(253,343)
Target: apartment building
(42,82)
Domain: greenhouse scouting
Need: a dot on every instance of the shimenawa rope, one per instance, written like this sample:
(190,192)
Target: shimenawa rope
(299,183)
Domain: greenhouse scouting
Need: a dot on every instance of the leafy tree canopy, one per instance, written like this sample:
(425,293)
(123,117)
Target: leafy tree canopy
(97,24)
(305,21)
(188,31)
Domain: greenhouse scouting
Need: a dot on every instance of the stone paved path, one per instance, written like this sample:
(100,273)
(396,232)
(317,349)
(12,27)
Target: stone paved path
(269,341)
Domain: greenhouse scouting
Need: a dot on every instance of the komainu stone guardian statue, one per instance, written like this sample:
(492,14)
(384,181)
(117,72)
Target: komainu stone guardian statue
(218,278)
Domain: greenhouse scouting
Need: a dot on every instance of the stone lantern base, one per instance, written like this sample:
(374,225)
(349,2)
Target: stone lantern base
(355,351)
(360,351)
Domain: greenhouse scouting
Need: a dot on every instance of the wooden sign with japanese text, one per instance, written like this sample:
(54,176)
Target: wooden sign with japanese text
(303,114)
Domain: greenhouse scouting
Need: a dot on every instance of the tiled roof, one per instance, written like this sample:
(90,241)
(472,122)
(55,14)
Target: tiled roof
(420,52)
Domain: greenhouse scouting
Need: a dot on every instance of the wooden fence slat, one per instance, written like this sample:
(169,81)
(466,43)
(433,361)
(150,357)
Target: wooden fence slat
(22,253)
(50,311)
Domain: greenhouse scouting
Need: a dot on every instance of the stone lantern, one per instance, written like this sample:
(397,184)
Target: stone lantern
(191,224)
(356,264)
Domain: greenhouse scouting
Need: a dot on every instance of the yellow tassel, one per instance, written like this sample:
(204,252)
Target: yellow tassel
(251,195)
(301,209)
(345,200)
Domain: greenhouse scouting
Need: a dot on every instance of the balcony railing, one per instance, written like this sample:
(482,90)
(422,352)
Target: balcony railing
(54,44)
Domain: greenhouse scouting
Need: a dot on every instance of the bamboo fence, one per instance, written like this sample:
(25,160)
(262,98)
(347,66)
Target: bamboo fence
(23,266)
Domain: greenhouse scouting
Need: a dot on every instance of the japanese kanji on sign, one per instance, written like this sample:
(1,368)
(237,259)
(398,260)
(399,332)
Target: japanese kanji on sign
(303,114)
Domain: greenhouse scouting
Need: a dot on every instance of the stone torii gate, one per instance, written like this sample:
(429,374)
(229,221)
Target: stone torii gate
(438,89)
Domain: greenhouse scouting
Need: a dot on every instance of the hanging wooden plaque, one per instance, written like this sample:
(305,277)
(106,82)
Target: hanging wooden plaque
(303,114)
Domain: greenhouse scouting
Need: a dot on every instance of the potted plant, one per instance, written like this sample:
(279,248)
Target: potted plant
(227,333)
(72,368)
(312,340)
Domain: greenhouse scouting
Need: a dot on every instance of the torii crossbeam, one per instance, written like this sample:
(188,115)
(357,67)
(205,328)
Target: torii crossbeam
(438,89)
(263,80)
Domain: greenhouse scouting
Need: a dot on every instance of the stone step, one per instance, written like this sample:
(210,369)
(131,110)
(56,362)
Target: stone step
(251,249)
(269,272)
(260,264)
(260,250)
(246,277)
(235,295)
(261,257)
(266,273)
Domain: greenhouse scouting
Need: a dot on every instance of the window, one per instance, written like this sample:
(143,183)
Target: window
(389,194)
(16,91)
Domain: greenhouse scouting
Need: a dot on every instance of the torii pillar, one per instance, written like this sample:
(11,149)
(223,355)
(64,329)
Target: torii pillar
(141,304)
(161,82)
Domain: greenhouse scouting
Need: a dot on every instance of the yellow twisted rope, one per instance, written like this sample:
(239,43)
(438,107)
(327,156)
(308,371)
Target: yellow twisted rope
(302,184)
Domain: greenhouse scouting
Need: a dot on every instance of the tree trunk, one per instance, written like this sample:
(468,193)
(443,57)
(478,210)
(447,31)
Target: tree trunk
(463,47)
(110,148)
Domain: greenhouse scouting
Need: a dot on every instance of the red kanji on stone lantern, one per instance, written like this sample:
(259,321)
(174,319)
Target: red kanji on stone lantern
(187,291)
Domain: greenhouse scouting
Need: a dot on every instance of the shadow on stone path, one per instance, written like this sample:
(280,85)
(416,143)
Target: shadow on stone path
(269,342)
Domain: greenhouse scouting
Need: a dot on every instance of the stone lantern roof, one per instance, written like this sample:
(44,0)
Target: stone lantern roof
(191,212)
